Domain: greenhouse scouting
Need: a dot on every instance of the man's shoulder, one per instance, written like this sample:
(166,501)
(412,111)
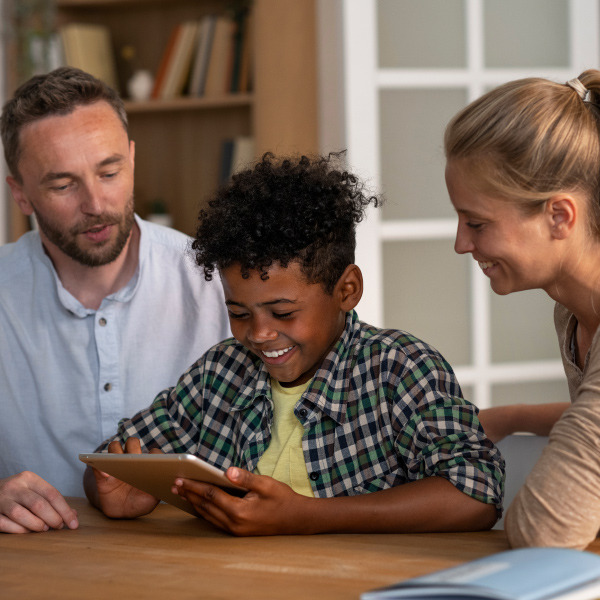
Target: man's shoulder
(16,257)
(164,237)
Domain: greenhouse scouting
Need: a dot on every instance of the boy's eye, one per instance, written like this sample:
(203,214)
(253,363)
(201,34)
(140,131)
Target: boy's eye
(286,315)
(233,315)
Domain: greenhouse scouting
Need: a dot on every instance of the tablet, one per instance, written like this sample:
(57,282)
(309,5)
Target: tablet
(156,473)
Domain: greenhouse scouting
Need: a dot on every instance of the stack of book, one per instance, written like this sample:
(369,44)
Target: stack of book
(89,47)
(208,58)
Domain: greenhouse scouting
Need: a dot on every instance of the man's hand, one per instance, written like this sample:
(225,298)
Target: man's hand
(28,503)
(114,497)
(268,508)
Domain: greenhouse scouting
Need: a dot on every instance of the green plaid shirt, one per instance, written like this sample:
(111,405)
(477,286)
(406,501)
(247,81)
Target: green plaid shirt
(383,409)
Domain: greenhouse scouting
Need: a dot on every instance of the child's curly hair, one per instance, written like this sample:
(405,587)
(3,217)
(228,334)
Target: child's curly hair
(283,210)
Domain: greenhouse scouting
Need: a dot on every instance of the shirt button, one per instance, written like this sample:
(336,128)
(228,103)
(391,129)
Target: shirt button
(314,476)
(107,387)
(102,322)
(302,412)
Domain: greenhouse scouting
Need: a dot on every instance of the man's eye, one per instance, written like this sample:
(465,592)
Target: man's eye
(286,315)
(60,188)
(474,225)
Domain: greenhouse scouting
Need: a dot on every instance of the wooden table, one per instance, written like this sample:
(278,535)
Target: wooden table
(170,554)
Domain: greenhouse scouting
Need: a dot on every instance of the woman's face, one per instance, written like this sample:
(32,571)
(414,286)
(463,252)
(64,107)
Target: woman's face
(513,249)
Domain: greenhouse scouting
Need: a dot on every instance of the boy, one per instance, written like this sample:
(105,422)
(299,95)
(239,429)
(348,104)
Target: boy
(331,424)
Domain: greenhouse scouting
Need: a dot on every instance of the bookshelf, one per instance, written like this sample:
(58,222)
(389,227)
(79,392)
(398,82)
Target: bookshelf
(179,141)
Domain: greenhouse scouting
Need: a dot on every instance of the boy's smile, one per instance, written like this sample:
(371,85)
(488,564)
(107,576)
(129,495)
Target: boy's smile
(288,323)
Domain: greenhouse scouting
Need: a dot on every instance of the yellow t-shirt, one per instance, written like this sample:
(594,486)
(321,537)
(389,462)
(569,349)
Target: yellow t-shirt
(283,459)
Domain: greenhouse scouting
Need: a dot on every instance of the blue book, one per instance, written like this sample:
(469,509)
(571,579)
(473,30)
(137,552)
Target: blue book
(525,574)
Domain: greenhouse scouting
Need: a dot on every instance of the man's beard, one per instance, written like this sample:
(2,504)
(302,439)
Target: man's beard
(100,254)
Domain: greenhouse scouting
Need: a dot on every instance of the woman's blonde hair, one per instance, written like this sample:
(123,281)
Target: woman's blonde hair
(531,138)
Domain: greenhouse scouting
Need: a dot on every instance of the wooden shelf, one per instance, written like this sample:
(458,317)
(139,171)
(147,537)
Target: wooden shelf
(189,104)
(179,142)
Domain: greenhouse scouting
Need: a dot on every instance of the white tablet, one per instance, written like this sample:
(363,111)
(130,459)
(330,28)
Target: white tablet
(156,473)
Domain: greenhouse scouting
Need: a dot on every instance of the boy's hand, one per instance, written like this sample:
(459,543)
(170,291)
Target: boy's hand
(29,503)
(268,508)
(116,498)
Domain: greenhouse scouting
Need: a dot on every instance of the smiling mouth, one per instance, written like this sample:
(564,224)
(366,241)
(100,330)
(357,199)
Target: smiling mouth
(276,353)
(486,265)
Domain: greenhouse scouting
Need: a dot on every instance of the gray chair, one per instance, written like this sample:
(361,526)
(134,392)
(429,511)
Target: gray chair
(521,452)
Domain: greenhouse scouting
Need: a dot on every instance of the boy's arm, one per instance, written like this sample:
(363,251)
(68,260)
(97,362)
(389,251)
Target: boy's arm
(539,419)
(271,507)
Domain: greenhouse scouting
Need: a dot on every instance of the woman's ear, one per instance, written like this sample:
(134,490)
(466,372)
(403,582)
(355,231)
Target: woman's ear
(349,287)
(562,210)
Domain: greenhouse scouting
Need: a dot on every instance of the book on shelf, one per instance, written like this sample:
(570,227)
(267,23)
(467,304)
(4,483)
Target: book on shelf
(202,55)
(89,48)
(221,56)
(245,75)
(236,154)
(174,68)
(166,58)
(524,574)
(178,67)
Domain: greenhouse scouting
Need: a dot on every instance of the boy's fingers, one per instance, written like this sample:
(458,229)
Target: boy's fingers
(245,479)
(115,448)
(133,446)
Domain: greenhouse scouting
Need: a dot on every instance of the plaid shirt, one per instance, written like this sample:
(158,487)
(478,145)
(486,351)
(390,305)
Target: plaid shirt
(383,409)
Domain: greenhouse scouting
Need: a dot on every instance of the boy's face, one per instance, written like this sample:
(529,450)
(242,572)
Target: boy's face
(288,323)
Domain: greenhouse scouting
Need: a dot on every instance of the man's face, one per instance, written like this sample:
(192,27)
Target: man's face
(77,178)
(288,323)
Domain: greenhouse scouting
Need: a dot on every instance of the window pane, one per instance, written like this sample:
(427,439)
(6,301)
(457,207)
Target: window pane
(421,34)
(522,34)
(535,392)
(426,295)
(523,327)
(412,154)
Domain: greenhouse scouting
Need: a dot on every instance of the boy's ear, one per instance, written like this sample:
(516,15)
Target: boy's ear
(349,287)
(562,212)
(19,195)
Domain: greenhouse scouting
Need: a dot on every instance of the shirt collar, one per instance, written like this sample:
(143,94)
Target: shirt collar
(327,390)
(125,294)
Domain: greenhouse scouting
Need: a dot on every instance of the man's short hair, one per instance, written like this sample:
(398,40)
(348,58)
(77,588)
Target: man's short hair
(56,93)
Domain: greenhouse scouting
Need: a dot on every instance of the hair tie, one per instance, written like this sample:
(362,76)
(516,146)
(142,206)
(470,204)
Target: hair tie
(581,90)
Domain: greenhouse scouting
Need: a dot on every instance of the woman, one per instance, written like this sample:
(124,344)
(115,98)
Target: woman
(523,174)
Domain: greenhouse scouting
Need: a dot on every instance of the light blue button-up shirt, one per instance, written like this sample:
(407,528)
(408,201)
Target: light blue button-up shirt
(68,374)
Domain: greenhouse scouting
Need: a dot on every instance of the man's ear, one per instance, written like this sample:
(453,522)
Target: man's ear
(562,210)
(19,196)
(349,287)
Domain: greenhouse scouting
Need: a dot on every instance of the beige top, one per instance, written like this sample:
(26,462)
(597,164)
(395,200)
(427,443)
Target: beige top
(559,504)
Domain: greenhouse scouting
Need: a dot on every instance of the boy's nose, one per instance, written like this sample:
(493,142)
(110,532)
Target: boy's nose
(261,332)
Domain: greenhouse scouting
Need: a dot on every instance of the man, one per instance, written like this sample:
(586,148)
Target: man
(99,310)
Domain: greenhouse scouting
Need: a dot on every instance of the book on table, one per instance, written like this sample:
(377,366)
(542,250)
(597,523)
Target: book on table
(523,574)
